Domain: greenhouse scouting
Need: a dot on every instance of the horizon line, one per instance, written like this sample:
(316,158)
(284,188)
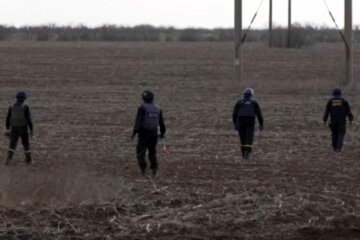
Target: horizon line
(76,25)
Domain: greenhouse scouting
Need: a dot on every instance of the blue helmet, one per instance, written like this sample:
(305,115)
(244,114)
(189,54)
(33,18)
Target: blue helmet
(21,95)
(148,96)
(248,92)
(337,92)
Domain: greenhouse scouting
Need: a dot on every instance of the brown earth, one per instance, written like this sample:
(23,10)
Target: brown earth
(85,183)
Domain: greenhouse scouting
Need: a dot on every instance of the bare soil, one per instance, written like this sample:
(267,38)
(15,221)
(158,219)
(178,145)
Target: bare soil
(86,184)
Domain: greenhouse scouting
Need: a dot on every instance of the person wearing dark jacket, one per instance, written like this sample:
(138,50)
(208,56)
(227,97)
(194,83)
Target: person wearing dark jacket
(18,125)
(244,114)
(148,120)
(338,109)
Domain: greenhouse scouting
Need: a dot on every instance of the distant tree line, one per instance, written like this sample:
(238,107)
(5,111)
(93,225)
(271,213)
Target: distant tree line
(301,35)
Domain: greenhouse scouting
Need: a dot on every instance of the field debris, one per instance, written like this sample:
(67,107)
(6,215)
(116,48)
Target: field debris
(86,185)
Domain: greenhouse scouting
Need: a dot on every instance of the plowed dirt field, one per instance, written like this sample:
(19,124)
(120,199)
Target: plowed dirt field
(86,184)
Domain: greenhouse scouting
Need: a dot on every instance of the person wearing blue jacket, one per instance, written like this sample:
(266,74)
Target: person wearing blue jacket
(338,109)
(244,114)
(148,120)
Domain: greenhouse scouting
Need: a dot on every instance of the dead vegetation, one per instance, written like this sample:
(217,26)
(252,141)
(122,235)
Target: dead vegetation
(86,184)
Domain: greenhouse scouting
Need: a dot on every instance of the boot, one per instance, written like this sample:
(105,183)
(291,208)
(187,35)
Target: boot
(28,159)
(154,172)
(246,155)
(243,152)
(143,173)
(9,157)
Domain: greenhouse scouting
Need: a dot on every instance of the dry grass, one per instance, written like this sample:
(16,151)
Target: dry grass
(86,185)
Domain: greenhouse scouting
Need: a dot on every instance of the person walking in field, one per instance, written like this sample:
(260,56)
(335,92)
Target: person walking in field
(18,125)
(338,109)
(244,114)
(148,120)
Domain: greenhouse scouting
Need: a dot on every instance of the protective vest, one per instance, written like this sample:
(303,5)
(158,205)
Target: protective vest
(18,118)
(338,109)
(152,116)
(247,108)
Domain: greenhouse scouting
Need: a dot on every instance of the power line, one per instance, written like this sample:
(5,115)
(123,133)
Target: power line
(336,25)
(251,22)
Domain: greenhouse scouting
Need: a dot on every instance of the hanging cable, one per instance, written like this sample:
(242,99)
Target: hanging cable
(248,29)
(336,25)
(252,21)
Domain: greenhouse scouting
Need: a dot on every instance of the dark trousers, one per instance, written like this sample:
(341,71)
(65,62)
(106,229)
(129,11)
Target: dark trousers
(147,143)
(246,133)
(338,130)
(15,134)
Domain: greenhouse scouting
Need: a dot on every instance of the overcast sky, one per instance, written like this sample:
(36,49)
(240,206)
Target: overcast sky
(178,13)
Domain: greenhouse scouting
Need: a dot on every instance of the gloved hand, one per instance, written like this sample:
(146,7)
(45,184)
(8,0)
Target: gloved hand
(261,128)
(31,133)
(236,128)
(133,137)
(161,136)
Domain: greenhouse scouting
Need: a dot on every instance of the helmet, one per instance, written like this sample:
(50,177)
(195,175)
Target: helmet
(337,92)
(248,92)
(21,95)
(148,96)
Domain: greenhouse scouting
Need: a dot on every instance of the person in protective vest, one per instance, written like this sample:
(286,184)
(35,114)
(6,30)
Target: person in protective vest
(245,111)
(148,119)
(18,124)
(338,109)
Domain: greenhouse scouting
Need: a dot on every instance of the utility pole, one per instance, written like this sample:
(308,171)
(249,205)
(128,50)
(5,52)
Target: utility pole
(289,26)
(238,37)
(349,43)
(270,24)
